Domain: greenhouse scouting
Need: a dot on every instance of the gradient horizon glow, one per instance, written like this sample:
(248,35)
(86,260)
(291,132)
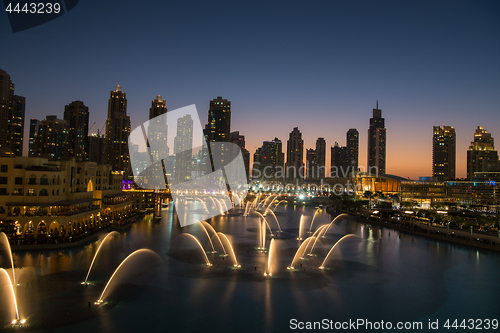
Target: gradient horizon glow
(318,65)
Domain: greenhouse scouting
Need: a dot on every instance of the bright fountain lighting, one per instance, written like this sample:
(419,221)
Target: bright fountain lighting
(23,321)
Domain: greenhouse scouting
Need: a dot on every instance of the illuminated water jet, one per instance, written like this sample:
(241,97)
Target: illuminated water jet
(277,222)
(209,238)
(278,204)
(5,240)
(233,255)
(269,257)
(301,226)
(101,298)
(302,248)
(265,220)
(334,245)
(215,233)
(314,216)
(336,217)
(112,233)
(14,299)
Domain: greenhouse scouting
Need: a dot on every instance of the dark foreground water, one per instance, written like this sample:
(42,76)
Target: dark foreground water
(379,275)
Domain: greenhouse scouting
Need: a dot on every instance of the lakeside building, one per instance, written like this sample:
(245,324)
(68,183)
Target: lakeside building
(62,197)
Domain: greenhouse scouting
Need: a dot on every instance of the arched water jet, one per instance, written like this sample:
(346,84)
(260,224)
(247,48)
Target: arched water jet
(314,216)
(336,217)
(203,203)
(233,255)
(112,233)
(278,204)
(334,245)
(269,258)
(209,238)
(270,203)
(14,299)
(5,240)
(247,208)
(215,233)
(101,298)
(317,235)
(302,248)
(277,222)
(265,220)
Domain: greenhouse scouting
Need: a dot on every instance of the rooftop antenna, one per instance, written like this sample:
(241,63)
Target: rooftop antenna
(377,104)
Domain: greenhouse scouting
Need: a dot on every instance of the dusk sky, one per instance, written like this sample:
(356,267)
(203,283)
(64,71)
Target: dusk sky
(317,65)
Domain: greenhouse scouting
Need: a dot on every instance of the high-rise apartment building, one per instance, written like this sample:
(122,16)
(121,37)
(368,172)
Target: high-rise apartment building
(76,115)
(51,140)
(271,161)
(183,148)
(34,124)
(239,140)
(352,144)
(376,143)
(294,168)
(481,154)
(443,153)
(219,120)
(311,164)
(157,130)
(97,143)
(340,166)
(320,159)
(117,132)
(12,111)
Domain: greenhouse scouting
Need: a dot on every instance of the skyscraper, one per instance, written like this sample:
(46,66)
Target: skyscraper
(239,140)
(219,120)
(34,124)
(51,141)
(353,149)
(271,161)
(376,142)
(311,164)
(481,153)
(443,153)
(12,110)
(76,115)
(320,159)
(294,169)
(117,131)
(157,130)
(97,143)
(339,166)
(183,148)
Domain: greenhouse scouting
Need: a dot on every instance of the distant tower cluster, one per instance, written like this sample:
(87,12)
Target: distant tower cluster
(344,159)
(444,153)
(377,142)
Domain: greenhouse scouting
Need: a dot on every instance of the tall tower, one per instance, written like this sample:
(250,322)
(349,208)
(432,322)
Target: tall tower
(271,161)
(294,169)
(117,132)
(12,110)
(443,153)
(76,114)
(51,141)
(239,140)
(353,149)
(481,153)
(183,148)
(157,129)
(219,120)
(34,124)
(376,142)
(320,159)
(311,166)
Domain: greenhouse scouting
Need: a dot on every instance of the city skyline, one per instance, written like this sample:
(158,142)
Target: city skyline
(425,63)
